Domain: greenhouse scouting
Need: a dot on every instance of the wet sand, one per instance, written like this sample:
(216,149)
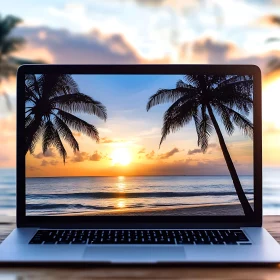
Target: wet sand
(193,210)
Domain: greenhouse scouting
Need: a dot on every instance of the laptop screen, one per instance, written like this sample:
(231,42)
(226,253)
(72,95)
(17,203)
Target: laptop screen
(139,145)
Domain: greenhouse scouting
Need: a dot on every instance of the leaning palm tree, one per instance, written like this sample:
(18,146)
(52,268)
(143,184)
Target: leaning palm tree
(50,101)
(8,45)
(202,98)
(274,64)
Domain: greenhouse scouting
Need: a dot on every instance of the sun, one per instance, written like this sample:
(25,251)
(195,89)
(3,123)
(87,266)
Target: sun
(121,156)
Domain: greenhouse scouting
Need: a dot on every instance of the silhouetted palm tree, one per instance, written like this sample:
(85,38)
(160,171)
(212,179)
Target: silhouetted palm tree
(8,45)
(50,101)
(202,98)
(274,64)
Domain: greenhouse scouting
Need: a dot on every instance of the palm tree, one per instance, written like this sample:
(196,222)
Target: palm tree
(50,101)
(202,98)
(8,45)
(274,64)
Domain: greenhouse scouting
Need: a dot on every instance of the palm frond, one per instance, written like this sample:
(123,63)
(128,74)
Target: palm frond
(11,44)
(66,133)
(36,136)
(51,138)
(33,87)
(79,102)
(56,85)
(7,24)
(59,145)
(78,124)
(48,135)
(6,69)
(28,120)
(197,120)
(225,116)
(232,79)
(240,121)
(235,93)
(205,128)
(193,80)
(179,114)
(164,96)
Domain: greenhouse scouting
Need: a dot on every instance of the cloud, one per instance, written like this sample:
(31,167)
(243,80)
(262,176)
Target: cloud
(270,20)
(96,156)
(181,167)
(150,155)
(208,50)
(194,151)
(106,140)
(67,47)
(44,162)
(168,154)
(80,157)
(53,162)
(198,151)
(32,168)
(49,153)
(142,151)
(153,3)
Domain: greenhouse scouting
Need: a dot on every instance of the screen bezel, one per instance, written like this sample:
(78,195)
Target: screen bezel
(92,221)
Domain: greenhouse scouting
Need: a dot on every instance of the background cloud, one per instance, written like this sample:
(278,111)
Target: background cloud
(95,156)
(80,157)
(67,47)
(168,154)
(150,155)
(49,153)
(142,151)
(194,151)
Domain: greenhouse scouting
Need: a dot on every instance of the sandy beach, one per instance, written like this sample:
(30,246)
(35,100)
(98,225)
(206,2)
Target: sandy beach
(197,210)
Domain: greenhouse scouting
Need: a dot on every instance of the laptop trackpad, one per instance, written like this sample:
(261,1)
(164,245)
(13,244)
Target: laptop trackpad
(130,254)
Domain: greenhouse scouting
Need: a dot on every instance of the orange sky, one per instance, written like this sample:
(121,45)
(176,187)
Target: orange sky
(129,139)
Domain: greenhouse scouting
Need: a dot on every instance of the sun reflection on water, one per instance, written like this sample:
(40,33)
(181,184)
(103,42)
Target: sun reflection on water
(121,203)
(121,184)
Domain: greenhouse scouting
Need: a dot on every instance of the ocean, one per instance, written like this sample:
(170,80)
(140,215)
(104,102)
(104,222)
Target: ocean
(47,196)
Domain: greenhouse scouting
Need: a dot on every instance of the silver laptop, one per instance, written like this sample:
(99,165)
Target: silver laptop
(139,164)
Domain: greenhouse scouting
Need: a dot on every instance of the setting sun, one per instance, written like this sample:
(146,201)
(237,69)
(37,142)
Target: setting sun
(121,156)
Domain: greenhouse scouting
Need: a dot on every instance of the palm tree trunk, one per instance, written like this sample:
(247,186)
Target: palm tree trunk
(239,190)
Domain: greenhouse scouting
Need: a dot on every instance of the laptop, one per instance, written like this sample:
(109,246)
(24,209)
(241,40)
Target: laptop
(138,164)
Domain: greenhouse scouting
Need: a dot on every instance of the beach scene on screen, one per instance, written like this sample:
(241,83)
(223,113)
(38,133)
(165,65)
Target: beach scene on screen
(139,145)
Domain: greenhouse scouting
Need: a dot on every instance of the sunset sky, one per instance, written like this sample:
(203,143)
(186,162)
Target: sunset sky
(129,140)
(146,31)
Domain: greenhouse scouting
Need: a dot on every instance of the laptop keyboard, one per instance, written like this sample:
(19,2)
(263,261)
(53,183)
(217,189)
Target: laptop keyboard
(180,237)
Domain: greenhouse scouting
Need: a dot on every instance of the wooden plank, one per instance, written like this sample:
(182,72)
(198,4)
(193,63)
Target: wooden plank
(271,223)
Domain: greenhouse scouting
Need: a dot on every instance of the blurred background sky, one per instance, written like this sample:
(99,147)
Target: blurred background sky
(149,31)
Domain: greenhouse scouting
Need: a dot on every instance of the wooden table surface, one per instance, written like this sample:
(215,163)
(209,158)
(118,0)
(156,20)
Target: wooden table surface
(271,223)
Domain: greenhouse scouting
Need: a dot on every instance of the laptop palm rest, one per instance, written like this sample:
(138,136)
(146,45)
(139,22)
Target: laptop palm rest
(123,253)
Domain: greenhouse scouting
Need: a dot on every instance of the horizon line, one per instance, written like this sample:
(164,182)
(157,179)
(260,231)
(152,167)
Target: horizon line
(193,175)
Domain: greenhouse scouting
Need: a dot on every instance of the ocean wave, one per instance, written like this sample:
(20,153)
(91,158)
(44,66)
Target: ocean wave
(64,206)
(102,195)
